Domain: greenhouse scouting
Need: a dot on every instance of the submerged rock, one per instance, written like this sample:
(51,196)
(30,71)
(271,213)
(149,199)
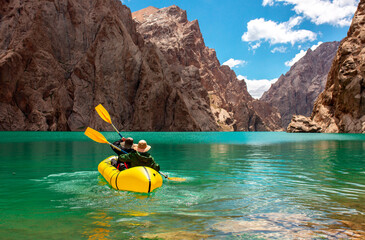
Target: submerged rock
(180,235)
(284,226)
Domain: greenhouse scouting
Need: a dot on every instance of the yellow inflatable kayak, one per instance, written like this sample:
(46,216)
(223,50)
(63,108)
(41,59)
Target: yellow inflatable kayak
(136,179)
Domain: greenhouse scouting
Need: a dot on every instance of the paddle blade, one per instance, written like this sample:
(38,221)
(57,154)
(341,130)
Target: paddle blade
(177,179)
(95,135)
(103,113)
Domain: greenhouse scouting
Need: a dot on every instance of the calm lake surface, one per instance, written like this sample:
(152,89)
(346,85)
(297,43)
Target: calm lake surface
(239,185)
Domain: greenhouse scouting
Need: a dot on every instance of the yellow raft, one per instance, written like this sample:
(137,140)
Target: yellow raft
(136,179)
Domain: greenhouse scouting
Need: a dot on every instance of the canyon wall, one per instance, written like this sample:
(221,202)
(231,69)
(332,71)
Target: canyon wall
(61,58)
(182,44)
(340,108)
(295,92)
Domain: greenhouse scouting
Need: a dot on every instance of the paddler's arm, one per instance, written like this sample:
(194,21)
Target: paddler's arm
(155,165)
(117,143)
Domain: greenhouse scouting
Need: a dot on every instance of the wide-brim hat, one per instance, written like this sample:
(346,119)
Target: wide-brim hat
(141,146)
(127,144)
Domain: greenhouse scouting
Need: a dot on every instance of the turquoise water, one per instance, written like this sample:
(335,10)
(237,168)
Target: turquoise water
(238,186)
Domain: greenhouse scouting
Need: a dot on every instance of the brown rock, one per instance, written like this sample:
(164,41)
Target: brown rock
(295,92)
(341,106)
(59,59)
(182,44)
(303,124)
(179,235)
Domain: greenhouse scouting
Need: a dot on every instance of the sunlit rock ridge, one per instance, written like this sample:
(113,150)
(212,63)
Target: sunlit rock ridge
(340,108)
(182,44)
(295,92)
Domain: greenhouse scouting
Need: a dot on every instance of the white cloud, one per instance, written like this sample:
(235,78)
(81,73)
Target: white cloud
(300,55)
(267,2)
(234,63)
(257,87)
(281,49)
(314,47)
(274,33)
(254,46)
(296,58)
(240,77)
(335,12)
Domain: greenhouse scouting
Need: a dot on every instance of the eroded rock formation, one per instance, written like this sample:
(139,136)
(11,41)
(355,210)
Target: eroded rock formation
(296,91)
(61,58)
(341,106)
(182,44)
(300,123)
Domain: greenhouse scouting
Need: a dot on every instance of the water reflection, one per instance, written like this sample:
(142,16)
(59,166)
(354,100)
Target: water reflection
(279,190)
(101,224)
(55,157)
(311,178)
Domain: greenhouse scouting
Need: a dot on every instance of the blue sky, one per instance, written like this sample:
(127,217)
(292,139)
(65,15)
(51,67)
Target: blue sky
(261,39)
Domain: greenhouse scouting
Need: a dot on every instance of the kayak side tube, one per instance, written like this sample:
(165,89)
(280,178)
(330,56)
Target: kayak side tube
(136,179)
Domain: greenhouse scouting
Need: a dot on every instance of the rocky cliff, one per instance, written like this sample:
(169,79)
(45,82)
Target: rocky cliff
(295,92)
(182,44)
(61,58)
(341,106)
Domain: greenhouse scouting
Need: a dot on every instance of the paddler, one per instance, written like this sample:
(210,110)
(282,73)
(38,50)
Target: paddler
(139,157)
(126,145)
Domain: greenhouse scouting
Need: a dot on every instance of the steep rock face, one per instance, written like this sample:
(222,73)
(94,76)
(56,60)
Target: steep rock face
(61,58)
(296,91)
(182,44)
(341,106)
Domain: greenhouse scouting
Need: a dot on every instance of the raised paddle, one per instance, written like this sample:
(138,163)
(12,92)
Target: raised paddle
(103,113)
(98,137)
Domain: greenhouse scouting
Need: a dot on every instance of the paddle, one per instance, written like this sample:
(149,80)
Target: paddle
(103,113)
(177,179)
(98,137)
